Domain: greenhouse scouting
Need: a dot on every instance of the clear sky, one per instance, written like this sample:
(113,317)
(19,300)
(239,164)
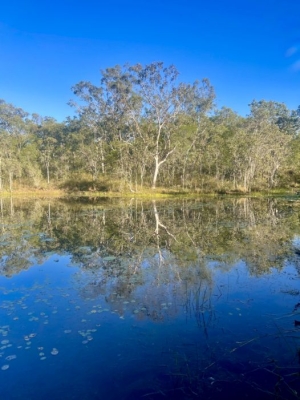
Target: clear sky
(248,49)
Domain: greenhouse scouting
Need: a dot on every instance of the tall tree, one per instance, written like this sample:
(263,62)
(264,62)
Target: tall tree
(268,145)
(46,134)
(14,129)
(143,103)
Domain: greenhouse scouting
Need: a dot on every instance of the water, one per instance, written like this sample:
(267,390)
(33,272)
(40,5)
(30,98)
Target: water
(186,299)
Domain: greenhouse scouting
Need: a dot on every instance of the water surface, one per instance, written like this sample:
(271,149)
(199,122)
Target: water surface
(150,300)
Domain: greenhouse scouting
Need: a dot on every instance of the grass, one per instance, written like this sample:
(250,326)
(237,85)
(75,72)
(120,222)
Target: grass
(116,190)
(33,193)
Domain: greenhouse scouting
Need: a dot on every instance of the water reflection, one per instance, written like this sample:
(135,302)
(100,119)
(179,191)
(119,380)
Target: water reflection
(174,234)
(180,299)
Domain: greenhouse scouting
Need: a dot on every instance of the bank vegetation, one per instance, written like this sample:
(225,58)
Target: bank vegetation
(142,130)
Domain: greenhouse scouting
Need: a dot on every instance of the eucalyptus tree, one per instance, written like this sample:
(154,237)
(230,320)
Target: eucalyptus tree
(74,135)
(14,137)
(50,137)
(227,146)
(268,143)
(275,113)
(185,168)
(142,105)
(47,142)
(164,102)
(291,173)
(100,113)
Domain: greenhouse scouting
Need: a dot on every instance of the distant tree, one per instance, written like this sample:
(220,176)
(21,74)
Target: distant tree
(14,130)
(52,139)
(288,121)
(268,142)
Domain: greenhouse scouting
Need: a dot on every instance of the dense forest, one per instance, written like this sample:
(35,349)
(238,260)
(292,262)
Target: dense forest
(143,128)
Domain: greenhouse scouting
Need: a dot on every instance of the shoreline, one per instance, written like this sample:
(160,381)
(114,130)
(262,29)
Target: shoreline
(146,194)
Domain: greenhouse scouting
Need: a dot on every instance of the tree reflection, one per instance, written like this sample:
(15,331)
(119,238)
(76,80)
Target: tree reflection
(176,241)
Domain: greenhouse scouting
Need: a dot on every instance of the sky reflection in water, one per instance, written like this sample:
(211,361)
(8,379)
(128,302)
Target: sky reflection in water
(153,300)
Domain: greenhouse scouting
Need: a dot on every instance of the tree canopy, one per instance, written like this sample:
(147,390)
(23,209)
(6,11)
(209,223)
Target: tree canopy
(143,127)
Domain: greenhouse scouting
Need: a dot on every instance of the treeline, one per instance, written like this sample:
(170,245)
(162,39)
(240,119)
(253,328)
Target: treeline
(142,127)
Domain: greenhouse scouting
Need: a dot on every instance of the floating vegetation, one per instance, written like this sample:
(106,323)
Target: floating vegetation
(12,357)
(54,351)
(109,258)
(87,333)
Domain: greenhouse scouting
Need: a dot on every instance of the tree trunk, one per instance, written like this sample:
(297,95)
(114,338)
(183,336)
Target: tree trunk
(10,180)
(0,174)
(48,174)
(157,165)
(102,158)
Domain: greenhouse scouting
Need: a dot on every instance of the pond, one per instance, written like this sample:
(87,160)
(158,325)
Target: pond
(107,299)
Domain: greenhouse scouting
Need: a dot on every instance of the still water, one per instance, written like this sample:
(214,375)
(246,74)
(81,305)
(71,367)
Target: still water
(150,300)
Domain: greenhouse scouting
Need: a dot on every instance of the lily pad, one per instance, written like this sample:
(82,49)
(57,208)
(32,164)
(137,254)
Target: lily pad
(109,258)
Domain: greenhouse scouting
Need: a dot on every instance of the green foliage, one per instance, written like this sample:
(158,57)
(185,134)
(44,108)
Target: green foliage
(142,127)
(86,185)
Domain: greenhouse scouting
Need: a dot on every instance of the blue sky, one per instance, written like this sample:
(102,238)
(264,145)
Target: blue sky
(248,49)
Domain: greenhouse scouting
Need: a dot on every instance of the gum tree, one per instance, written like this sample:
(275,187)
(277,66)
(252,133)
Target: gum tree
(143,104)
